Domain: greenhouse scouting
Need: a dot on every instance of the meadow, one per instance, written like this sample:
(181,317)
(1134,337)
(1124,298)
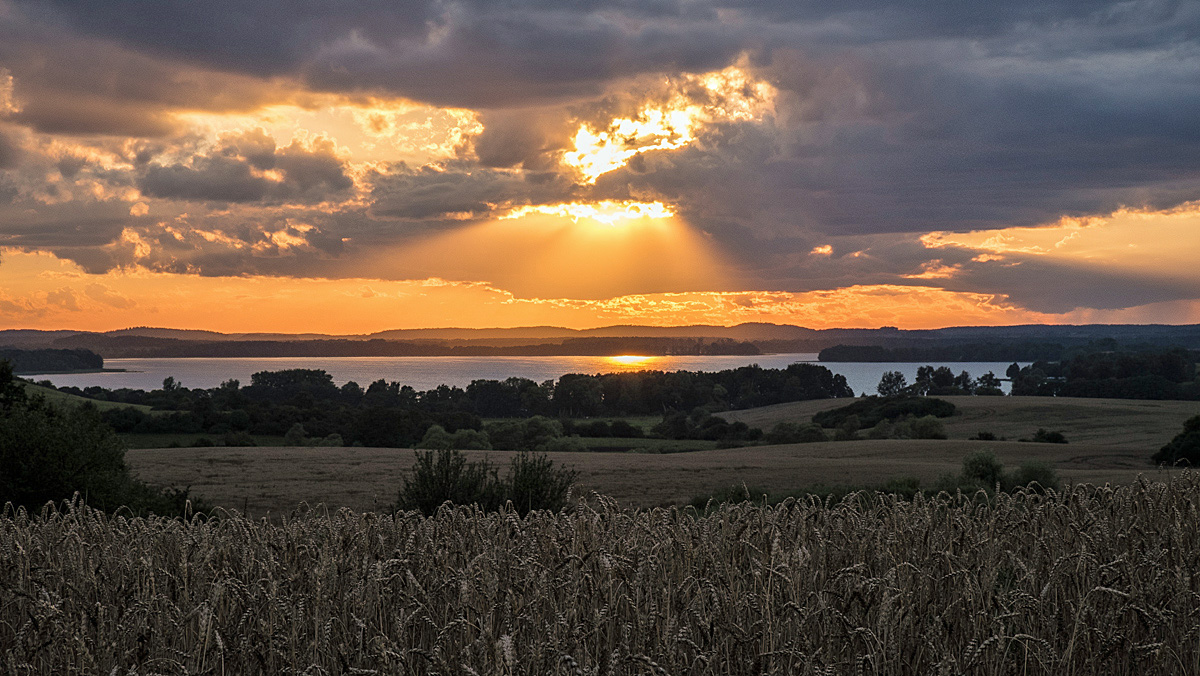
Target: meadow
(1110,441)
(1086,581)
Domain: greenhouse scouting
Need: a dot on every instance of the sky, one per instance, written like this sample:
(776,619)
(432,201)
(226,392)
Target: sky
(308,165)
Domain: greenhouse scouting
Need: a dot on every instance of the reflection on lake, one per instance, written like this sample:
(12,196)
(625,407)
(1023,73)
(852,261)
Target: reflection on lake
(425,373)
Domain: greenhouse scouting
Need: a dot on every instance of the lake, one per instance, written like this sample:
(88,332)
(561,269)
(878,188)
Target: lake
(425,373)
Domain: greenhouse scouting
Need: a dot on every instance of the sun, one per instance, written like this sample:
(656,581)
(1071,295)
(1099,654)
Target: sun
(729,95)
(607,212)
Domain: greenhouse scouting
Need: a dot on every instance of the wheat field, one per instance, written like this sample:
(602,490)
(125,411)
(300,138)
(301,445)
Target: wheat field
(1086,581)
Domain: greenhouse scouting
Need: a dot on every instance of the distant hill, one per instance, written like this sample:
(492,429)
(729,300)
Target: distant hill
(529,340)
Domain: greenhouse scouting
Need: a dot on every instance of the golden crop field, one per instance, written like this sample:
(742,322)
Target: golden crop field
(1086,581)
(1110,441)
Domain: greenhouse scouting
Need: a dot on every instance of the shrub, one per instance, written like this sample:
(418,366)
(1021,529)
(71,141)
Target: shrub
(927,427)
(332,441)
(983,436)
(983,468)
(50,454)
(523,435)
(884,429)
(1040,474)
(847,429)
(295,436)
(533,482)
(794,433)
(438,477)
(870,410)
(621,428)
(1042,436)
(447,477)
(1185,447)
(437,438)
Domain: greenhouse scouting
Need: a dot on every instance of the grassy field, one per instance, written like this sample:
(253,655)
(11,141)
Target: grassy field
(1111,441)
(1087,581)
(1140,427)
(63,399)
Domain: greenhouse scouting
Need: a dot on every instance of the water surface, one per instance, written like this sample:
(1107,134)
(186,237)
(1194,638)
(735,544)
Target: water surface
(425,373)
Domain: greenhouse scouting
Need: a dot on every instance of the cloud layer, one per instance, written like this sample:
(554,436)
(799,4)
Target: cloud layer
(334,140)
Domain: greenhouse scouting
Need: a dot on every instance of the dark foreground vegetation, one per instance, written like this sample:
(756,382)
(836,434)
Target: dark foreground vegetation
(981,473)
(1086,581)
(48,453)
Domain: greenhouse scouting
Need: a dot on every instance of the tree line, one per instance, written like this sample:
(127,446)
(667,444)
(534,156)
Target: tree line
(1150,374)
(390,414)
(49,360)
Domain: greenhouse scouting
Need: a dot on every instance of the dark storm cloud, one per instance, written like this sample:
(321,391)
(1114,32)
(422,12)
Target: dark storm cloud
(67,84)
(234,173)
(460,192)
(1057,286)
(10,152)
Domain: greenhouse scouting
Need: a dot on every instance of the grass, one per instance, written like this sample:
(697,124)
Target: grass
(1087,581)
(64,399)
(1092,423)
(1110,441)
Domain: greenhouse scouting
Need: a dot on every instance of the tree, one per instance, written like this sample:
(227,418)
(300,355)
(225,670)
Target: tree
(983,468)
(49,454)
(892,384)
(988,383)
(12,392)
(1184,449)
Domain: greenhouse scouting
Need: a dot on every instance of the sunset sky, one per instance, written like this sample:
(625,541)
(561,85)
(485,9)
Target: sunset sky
(352,167)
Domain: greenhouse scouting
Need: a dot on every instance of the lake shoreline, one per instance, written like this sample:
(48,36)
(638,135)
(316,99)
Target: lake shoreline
(68,372)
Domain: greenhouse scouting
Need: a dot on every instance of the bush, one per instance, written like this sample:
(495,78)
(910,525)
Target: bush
(884,429)
(983,468)
(295,436)
(1042,436)
(795,433)
(870,410)
(847,429)
(983,436)
(1038,474)
(1184,449)
(51,454)
(927,427)
(621,428)
(448,477)
(523,435)
(532,482)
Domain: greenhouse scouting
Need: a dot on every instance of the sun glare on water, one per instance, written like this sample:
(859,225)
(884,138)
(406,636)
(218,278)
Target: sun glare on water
(630,361)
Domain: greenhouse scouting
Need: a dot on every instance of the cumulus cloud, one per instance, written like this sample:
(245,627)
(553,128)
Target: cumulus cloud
(249,168)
